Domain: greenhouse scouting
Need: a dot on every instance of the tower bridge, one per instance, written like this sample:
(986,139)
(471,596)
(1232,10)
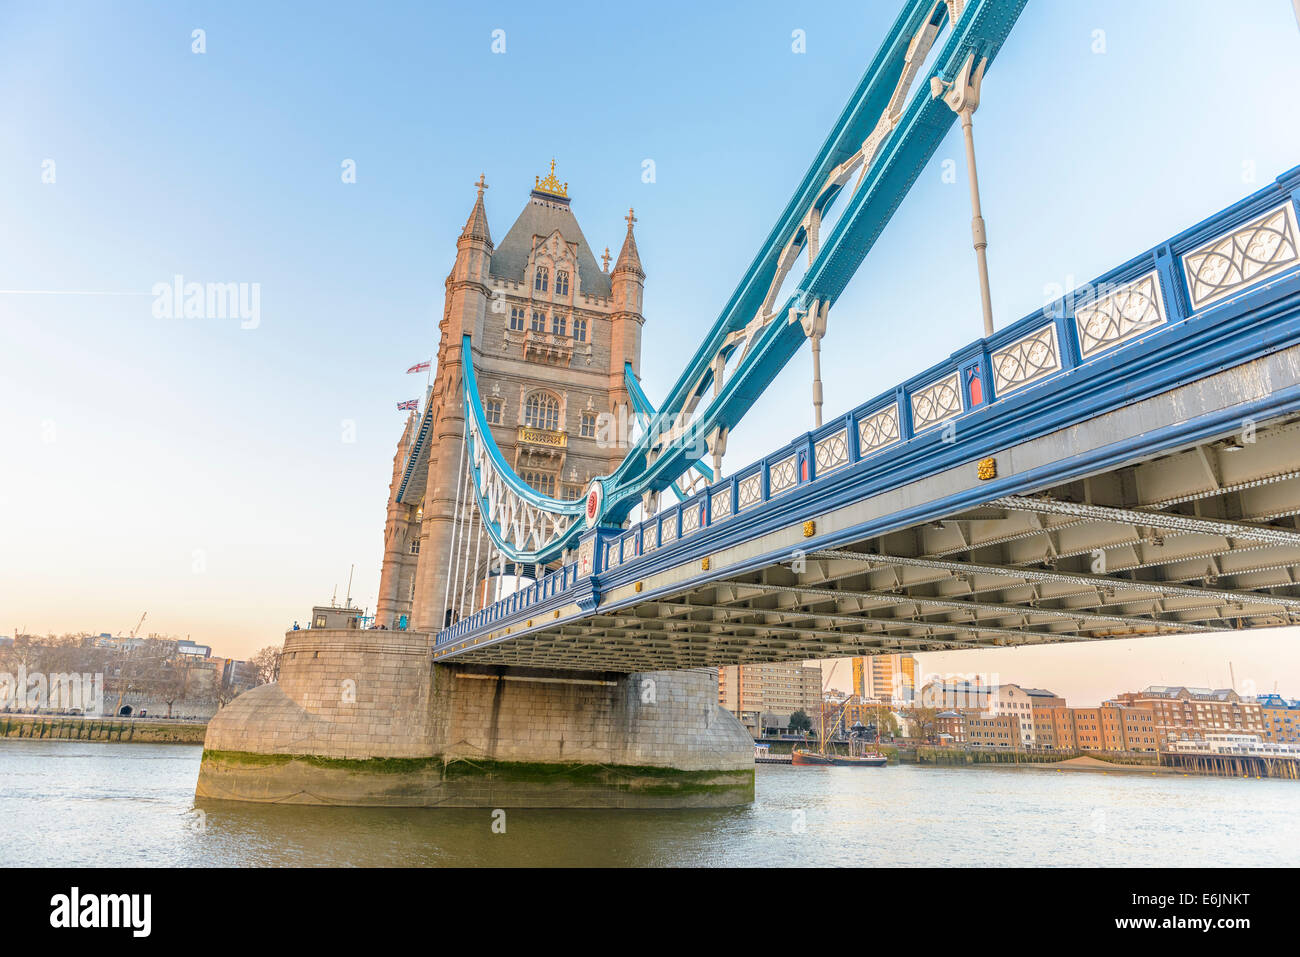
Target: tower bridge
(554,606)
(1124,462)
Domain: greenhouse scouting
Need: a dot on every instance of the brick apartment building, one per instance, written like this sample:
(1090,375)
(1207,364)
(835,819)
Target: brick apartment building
(1188,714)
(1281,719)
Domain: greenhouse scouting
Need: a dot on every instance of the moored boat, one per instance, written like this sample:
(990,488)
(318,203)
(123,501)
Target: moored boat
(871,760)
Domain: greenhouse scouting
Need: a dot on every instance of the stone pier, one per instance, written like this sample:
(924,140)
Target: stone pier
(365,718)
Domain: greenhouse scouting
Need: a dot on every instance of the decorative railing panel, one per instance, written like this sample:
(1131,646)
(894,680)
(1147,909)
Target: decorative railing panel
(783,475)
(936,403)
(1133,309)
(879,429)
(720,503)
(831,452)
(1026,360)
(749,491)
(1263,247)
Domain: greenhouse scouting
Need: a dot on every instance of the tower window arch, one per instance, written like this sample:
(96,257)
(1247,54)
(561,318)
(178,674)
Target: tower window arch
(541,278)
(561,282)
(542,411)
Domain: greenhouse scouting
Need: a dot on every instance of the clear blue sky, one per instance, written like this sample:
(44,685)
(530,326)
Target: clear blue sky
(197,470)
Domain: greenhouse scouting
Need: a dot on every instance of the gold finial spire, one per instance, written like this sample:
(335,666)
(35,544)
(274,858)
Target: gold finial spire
(482,183)
(551,186)
(605,259)
(630,217)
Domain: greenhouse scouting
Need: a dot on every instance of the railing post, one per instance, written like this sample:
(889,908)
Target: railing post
(1067,334)
(904,402)
(1177,305)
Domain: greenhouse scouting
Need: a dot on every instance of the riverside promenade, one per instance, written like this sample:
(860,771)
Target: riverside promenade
(115,729)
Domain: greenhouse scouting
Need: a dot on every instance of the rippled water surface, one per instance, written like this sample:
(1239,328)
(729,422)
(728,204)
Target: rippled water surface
(83,803)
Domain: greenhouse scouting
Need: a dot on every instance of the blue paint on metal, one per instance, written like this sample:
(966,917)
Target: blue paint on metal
(421,437)
(645,412)
(1263,318)
(978,32)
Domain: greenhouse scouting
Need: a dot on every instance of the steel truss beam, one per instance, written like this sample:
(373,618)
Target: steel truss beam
(1070,578)
(1140,518)
(1025,611)
(859,620)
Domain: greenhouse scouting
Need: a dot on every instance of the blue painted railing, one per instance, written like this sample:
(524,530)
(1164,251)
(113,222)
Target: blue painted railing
(1003,367)
(542,590)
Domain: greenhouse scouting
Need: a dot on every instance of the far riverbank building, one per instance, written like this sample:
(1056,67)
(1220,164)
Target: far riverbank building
(551,330)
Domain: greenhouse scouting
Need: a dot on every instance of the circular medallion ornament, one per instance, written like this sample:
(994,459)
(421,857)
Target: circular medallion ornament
(595,499)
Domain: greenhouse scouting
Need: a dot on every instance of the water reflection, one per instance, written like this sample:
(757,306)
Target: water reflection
(107,804)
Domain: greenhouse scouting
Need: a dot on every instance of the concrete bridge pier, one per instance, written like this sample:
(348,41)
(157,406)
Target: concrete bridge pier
(364,718)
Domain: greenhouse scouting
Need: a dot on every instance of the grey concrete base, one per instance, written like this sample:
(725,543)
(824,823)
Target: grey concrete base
(363,718)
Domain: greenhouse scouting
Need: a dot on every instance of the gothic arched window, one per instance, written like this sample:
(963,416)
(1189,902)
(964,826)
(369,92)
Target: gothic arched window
(561,283)
(540,279)
(542,411)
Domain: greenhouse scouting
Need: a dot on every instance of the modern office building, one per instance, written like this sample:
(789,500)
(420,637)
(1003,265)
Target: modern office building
(885,677)
(776,689)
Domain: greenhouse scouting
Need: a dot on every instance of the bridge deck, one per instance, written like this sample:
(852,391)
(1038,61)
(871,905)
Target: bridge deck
(1125,463)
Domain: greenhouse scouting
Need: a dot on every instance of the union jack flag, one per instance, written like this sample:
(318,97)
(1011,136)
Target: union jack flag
(419,367)
(411,404)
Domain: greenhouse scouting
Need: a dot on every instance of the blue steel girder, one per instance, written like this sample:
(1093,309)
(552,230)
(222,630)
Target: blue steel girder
(645,412)
(525,524)
(1169,319)
(890,173)
(873,155)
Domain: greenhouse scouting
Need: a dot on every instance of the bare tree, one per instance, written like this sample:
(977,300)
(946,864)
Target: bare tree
(925,722)
(225,691)
(173,680)
(138,669)
(267,664)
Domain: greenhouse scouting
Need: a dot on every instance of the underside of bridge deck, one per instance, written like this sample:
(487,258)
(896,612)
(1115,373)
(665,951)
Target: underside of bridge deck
(1196,539)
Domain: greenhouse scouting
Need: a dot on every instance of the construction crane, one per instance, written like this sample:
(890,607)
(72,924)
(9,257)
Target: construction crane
(137,625)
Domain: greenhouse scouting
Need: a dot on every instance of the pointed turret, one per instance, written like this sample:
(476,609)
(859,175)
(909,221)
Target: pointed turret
(629,260)
(476,227)
(628,278)
(627,283)
(473,262)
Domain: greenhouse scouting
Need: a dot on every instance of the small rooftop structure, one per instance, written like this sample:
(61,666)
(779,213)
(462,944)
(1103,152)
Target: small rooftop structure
(332,616)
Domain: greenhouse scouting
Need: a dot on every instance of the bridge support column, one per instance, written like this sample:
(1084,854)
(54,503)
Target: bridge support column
(364,718)
(963,96)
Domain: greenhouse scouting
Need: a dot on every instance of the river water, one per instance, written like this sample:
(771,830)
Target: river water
(68,803)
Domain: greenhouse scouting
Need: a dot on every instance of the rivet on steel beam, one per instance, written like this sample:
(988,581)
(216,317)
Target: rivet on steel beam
(988,469)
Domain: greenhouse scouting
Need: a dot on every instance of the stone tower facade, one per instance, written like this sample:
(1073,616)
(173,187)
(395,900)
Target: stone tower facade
(550,333)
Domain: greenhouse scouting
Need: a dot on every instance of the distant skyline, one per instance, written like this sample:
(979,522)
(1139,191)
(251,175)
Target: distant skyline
(224,475)
(1086,674)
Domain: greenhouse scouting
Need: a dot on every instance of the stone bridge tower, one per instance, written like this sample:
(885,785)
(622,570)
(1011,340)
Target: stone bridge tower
(364,716)
(550,332)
